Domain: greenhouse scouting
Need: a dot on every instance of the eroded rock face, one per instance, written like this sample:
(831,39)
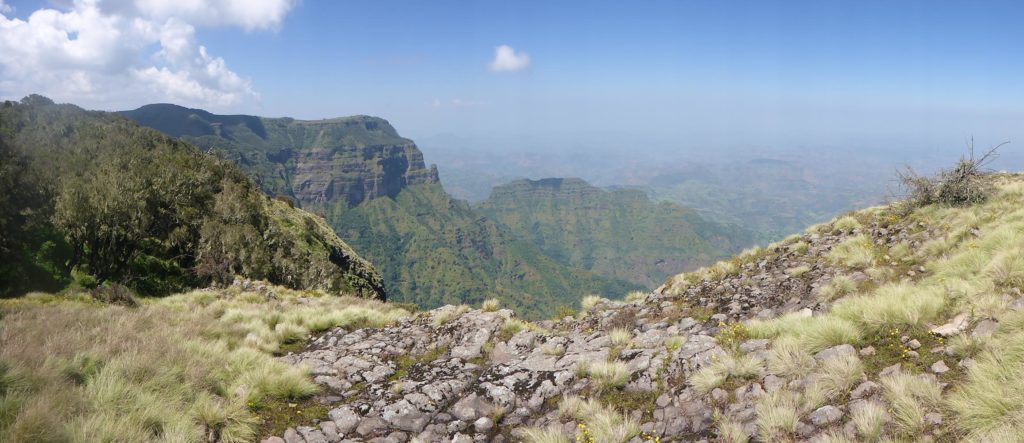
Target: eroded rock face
(355,174)
(319,162)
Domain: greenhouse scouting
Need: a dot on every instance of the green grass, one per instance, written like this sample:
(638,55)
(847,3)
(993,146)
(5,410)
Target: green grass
(788,359)
(911,397)
(893,305)
(598,422)
(604,375)
(798,271)
(723,367)
(175,369)
(839,286)
(846,224)
(869,421)
(777,416)
(854,252)
(813,334)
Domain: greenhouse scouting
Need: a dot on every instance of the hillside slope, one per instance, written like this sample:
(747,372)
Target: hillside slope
(375,191)
(618,233)
(96,195)
(877,326)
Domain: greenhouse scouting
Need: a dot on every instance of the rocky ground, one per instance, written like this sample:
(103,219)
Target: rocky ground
(449,375)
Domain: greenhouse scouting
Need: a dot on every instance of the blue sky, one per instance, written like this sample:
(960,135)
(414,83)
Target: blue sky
(790,72)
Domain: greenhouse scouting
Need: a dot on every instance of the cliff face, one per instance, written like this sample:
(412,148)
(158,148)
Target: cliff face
(618,233)
(342,160)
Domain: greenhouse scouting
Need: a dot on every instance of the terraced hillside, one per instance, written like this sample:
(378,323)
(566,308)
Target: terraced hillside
(877,326)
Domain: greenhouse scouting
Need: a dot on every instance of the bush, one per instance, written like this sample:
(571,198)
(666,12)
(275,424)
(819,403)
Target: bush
(964,184)
(114,293)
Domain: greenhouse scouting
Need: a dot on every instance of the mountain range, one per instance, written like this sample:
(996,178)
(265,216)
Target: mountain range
(374,189)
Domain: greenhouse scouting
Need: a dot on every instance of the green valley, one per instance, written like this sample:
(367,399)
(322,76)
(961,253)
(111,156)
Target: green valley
(618,233)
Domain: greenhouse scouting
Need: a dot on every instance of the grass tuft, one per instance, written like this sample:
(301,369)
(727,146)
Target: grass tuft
(491,305)
(855,252)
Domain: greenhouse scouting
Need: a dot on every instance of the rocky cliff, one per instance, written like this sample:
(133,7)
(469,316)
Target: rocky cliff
(618,233)
(341,160)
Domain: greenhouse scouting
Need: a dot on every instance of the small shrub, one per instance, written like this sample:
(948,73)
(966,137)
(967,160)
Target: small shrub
(512,327)
(115,294)
(966,183)
(812,333)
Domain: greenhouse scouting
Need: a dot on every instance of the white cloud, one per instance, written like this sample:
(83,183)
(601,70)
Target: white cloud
(455,103)
(122,53)
(506,59)
(5,8)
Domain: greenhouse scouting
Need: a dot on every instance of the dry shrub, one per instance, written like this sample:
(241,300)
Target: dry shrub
(964,184)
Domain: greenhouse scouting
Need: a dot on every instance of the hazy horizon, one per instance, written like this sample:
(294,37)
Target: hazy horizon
(678,75)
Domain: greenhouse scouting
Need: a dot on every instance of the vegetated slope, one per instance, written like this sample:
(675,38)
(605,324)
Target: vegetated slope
(375,191)
(192,367)
(96,195)
(438,251)
(618,233)
(877,326)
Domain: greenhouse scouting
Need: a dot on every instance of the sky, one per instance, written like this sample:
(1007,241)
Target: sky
(836,73)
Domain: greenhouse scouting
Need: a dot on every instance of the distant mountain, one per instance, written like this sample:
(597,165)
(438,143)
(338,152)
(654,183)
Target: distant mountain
(349,159)
(94,198)
(375,191)
(618,233)
(773,193)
